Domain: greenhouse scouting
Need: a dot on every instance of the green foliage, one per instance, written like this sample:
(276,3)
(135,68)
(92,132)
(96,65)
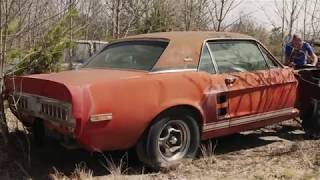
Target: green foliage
(48,54)
(275,42)
(273,39)
(13,53)
(13,26)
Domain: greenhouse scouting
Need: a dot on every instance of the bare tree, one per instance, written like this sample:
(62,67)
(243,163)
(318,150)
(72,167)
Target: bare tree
(289,11)
(194,14)
(294,11)
(315,20)
(220,10)
(3,30)
(305,10)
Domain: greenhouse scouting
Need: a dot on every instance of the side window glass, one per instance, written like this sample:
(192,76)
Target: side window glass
(268,58)
(237,56)
(206,64)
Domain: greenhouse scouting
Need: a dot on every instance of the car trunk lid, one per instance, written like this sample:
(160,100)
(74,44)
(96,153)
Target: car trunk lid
(60,85)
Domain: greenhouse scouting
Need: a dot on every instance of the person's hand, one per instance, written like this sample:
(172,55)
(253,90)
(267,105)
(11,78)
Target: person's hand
(291,64)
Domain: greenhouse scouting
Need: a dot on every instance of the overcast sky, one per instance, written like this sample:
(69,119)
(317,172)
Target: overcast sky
(259,10)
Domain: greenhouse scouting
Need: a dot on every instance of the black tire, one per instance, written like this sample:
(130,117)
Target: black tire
(164,133)
(311,123)
(311,127)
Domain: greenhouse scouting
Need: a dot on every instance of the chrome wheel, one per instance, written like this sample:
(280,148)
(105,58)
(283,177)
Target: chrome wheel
(174,140)
(173,136)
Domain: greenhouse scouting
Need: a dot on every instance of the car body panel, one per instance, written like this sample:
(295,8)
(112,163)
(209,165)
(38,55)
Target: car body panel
(135,98)
(261,91)
(252,95)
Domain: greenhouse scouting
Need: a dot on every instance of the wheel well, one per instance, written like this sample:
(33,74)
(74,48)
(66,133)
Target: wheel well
(196,114)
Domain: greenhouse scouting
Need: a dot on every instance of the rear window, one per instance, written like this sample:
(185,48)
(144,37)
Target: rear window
(139,55)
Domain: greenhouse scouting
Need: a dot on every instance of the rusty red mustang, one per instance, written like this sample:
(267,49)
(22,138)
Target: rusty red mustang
(162,93)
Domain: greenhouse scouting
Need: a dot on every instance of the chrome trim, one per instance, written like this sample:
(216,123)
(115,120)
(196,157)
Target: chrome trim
(199,63)
(262,116)
(216,125)
(101,117)
(257,42)
(214,63)
(273,57)
(231,38)
(188,59)
(264,56)
(172,71)
(247,119)
(43,107)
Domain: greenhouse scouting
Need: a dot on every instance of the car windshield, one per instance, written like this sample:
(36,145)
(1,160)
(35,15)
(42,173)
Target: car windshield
(140,55)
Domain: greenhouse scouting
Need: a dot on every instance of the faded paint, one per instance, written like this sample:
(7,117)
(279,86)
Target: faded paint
(135,98)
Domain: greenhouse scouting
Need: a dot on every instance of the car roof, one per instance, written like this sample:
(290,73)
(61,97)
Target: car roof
(184,48)
(199,35)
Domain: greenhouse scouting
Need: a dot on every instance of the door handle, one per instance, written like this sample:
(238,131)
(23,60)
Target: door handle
(230,81)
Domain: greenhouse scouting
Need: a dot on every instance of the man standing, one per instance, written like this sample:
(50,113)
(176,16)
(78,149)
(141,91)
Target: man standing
(297,52)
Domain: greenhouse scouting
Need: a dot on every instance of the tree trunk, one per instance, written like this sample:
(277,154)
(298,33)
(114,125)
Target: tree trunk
(3,32)
(221,15)
(305,19)
(282,29)
(116,19)
(71,34)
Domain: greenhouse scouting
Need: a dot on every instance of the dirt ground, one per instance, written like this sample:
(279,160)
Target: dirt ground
(275,152)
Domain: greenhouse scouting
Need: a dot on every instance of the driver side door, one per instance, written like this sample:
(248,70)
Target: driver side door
(247,77)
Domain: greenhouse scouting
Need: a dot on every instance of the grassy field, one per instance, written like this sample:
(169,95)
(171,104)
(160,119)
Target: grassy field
(275,152)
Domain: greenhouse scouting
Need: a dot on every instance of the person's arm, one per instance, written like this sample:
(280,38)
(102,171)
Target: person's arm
(312,55)
(314,59)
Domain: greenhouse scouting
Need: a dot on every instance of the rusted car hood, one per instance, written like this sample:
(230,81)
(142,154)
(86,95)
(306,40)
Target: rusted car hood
(87,76)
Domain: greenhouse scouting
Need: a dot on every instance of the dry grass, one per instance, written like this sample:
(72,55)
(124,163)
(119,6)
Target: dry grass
(116,170)
(270,153)
(19,148)
(81,172)
(207,151)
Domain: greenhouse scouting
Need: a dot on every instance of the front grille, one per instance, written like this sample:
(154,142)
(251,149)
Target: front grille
(54,111)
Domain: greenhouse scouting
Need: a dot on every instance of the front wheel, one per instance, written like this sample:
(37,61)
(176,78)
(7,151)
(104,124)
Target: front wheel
(171,138)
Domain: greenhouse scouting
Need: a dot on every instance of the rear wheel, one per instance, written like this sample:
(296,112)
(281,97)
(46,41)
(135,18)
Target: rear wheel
(171,138)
